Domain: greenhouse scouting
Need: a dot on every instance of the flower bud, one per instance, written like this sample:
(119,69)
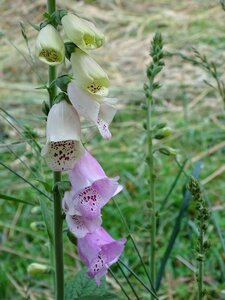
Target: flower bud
(163,133)
(168,151)
(88,74)
(49,46)
(36,268)
(37,226)
(82,32)
(35,210)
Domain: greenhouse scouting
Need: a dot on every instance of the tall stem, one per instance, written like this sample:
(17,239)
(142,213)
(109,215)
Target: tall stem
(151,184)
(200,267)
(58,220)
(58,240)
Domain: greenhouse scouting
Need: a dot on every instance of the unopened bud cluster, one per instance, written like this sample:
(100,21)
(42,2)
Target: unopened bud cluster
(202,217)
(159,131)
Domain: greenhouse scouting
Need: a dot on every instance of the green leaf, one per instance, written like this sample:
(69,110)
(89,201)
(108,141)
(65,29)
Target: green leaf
(81,287)
(63,81)
(46,186)
(46,209)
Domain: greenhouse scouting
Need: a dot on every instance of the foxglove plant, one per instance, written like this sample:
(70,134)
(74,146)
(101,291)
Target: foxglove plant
(63,151)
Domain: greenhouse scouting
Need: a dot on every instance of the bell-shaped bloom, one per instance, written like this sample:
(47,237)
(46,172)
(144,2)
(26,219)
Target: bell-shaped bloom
(78,225)
(98,250)
(50,46)
(101,113)
(88,74)
(63,147)
(91,188)
(82,33)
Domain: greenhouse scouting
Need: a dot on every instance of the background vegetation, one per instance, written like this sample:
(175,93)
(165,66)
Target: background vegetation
(192,108)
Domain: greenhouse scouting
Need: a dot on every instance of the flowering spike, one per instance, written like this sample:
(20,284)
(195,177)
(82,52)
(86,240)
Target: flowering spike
(100,113)
(49,46)
(63,147)
(98,250)
(82,32)
(88,74)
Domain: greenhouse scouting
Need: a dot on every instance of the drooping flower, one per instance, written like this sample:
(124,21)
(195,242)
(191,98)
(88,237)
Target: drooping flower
(63,147)
(88,74)
(82,33)
(98,250)
(91,190)
(101,113)
(50,46)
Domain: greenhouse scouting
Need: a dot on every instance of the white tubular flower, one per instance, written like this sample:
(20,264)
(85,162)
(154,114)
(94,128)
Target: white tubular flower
(50,46)
(100,113)
(82,33)
(63,147)
(88,74)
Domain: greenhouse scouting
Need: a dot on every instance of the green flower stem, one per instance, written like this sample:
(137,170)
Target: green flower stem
(51,5)
(200,266)
(52,90)
(151,183)
(58,220)
(58,240)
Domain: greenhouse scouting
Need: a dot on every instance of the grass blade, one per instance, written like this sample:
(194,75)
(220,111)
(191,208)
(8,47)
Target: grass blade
(120,285)
(176,228)
(138,278)
(9,198)
(129,283)
(173,184)
(219,232)
(133,242)
(27,181)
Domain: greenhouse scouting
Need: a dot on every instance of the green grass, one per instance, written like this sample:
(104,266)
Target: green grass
(191,108)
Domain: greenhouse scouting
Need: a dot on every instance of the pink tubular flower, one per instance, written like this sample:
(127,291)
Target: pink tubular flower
(98,110)
(91,190)
(79,225)
(98,250)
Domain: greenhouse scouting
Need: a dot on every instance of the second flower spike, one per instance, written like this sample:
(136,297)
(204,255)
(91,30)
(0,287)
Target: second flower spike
(63,147)
(50,46)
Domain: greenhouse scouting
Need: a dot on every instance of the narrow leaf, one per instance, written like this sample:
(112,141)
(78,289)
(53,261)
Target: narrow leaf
(176,228)
(9,198)
(46,210)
